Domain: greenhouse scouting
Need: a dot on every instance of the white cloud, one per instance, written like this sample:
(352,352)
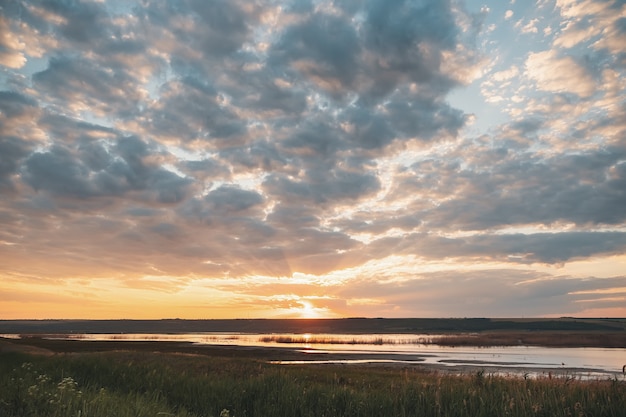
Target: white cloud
(506,74)
(580,8)
(572,35)
(529,27)
(597,22)
(508,14)
(556,74)
(11,47)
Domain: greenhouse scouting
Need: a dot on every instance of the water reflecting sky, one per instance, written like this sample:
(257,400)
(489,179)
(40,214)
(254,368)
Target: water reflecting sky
(402,348)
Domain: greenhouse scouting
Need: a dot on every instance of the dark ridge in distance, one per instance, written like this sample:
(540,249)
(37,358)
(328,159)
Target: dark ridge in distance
(343,325)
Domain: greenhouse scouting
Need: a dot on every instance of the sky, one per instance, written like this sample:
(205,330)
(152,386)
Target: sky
(323,158)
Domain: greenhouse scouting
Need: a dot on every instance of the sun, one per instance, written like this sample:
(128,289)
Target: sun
(308,311)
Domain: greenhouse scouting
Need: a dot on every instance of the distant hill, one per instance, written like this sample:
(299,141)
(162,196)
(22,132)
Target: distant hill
(345,325)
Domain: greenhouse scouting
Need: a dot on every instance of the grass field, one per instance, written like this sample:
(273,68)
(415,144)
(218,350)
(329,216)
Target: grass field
(144,383)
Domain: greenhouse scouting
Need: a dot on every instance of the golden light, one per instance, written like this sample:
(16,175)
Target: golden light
(308,311)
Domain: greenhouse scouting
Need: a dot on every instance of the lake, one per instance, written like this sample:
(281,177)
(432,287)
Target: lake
(586,363)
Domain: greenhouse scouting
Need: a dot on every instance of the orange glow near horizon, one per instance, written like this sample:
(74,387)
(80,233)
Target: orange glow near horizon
(299,296)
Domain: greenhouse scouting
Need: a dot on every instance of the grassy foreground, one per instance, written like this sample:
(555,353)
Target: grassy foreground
(167,384)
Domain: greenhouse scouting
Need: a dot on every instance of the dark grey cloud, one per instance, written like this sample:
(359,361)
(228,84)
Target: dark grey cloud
(316,138)
(206,169)
(223,25)
(583,188)
(190,110)
(539,247)
(70,131)
(82,22)
(134,173)
(260,91)
(197,35)
(426,118)
(12,151)
(392,43)
(369,130)
(262,155)
(88,29)
(231,199)
(317,187)
(546,248)
(293,217)
(61,171)
(408,38)
(224,207)
(94,155)
(58,171)
(13,104)
(324,48)
(85,83)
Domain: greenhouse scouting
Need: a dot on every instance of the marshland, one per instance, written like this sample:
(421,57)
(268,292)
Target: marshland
(43,374)
(146,383)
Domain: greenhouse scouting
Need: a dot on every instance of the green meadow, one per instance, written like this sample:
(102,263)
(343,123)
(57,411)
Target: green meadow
(169,384)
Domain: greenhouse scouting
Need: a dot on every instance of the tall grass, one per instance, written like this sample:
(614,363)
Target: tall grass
(508,338)
(148,384)
(326,340)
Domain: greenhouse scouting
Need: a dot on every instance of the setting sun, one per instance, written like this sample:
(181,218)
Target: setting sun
(308,311)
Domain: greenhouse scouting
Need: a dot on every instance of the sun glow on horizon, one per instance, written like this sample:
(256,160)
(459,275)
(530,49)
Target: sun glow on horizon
(309,311)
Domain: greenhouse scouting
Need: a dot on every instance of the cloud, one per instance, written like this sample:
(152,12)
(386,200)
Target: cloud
(167,145)
(61,172)
(57,171)
(232,200)
(505,75)
(529,27)
(478,293)
(19,115)
(324,49)
(559,74)
(597,24)
(515,191)
(12,151)
(323,187)
(86,85)
(547,248)
(11,54)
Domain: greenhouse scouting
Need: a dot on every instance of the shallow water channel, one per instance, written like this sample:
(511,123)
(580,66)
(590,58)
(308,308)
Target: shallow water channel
(533,361)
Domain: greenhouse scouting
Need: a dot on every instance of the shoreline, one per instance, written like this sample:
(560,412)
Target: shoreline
(291,356)
(548,339)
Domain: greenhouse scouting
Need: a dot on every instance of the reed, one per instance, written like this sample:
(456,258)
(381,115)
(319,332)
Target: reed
(508,338)
(159,384)
(325,340)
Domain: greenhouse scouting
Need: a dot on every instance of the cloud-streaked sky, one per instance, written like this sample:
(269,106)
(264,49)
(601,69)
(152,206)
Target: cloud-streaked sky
(265,158)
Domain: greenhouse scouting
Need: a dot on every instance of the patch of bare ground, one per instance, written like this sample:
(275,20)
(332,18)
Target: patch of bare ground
(7,345)
(41,345)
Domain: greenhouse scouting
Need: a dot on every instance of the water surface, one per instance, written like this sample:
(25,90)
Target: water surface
(405,349)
